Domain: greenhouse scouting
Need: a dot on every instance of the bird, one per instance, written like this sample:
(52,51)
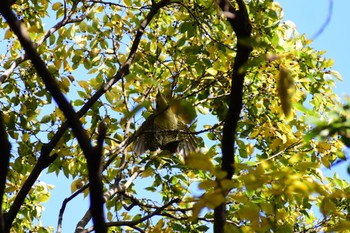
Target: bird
(164,130)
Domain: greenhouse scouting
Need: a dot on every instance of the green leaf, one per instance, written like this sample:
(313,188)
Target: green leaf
(46,119)
(56,6)
(127,2)
(336,75)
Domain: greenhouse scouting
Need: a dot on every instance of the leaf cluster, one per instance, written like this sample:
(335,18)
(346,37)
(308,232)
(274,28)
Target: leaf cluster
(187,49)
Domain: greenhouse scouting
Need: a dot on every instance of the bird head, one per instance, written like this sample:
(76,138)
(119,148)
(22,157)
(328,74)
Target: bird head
(161,102)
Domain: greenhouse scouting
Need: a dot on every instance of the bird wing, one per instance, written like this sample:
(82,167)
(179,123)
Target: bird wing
(181,140)
(188,141)
(142,137)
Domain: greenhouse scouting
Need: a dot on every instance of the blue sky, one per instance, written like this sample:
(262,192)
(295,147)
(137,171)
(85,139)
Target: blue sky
(309,16)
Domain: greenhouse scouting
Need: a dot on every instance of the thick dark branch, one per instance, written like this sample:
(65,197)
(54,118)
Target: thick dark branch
(63,104)
(154,10)
(113,189)
(43,162)
(241,25)
(5,148)
(47,78)
(124,70)
(96,186)
(239,20)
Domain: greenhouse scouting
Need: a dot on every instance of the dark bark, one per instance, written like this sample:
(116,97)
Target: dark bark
(96,186)
(5,148)
(43,162)
(239,20)
(96,197)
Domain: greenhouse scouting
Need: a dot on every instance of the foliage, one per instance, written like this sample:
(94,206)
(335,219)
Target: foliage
(187,48)
(337,124)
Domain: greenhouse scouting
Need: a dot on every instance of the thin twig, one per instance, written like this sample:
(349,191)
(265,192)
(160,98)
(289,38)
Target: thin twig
(114,189)
(328,20)
(135,222)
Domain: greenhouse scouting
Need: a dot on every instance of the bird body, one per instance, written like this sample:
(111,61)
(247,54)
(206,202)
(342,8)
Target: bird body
(163,130)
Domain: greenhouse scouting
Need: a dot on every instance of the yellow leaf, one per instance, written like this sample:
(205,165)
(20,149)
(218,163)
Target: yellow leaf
(327,206)
(58,63)
(267,207)
(250,149)
(196,209)
(84,84)
(212,71)
(249,212)
(59,114)
(240,197)
(336,75)
(324,146)
(56,6)
(185,110)
(109,216)
(227,184)
(50,186)
(219,174)
(214,199)
(67,67)
(64,84)
(340,194)
(86,192)
(8,34)
(253,180)
(158,228)
(254,134)
(199,161)
(148,172)
(276,144)
(325,161)
(285,89)
(25,137)
(76,184)
(343,226)
(10,187)
(210,200)
(299,187)
(281,214)
(207,184)
(110,96)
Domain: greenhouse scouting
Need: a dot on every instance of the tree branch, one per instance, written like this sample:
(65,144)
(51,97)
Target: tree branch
(63,22)
(328,20)
(5,148)
(239,21)
(135,222)
(64,204)
(124,70)
(111,192)
(96,186)
(96,197)
(47,78)
(43,162)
